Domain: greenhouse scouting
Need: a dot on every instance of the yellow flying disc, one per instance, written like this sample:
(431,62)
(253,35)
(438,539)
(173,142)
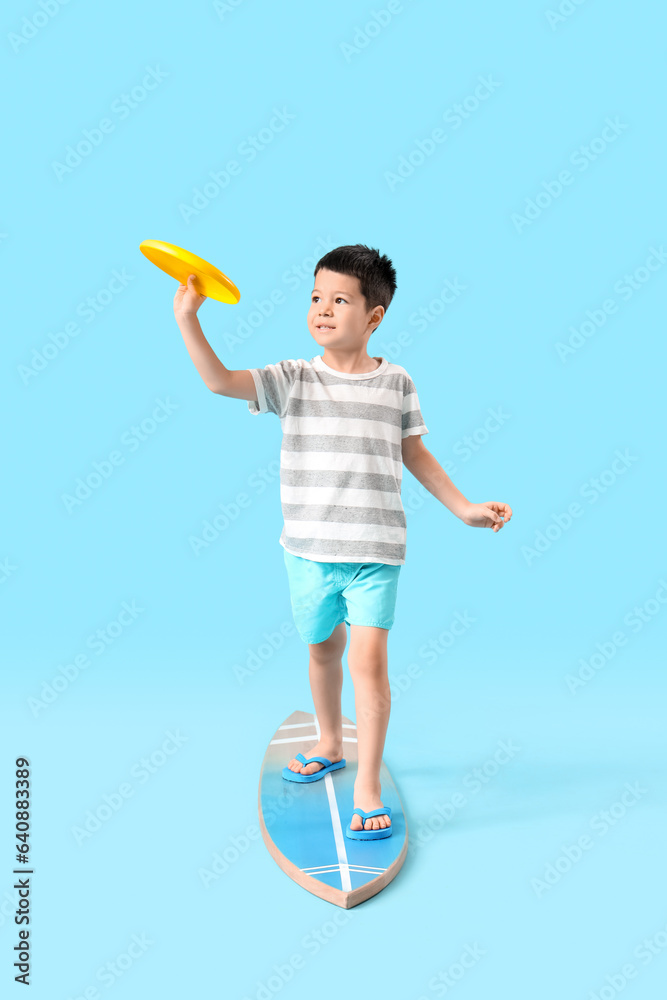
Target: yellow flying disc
(180,263)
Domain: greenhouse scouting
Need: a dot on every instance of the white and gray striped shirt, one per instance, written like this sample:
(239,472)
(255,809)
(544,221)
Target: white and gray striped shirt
(340,460)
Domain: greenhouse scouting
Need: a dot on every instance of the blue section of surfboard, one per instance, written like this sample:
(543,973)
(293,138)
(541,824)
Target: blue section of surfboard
(303,823)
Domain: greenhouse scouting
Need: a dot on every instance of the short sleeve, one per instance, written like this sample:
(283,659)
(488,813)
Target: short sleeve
(413,422)
(273,384)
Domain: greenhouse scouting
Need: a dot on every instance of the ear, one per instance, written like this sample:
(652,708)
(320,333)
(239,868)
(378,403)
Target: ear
(377,316)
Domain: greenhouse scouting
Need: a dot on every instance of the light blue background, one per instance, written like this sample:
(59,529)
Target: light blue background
(322,182)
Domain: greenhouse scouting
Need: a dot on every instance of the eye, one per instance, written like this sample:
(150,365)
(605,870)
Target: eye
(341,299)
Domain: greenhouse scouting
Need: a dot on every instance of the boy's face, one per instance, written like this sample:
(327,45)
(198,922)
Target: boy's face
(337,303)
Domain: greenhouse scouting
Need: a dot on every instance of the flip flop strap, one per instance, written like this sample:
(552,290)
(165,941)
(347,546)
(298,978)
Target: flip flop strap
(383,811)
(319,760)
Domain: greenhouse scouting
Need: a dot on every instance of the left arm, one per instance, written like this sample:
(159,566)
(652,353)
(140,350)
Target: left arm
(425,467)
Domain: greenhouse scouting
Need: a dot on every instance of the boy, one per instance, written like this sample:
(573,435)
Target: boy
(350,422)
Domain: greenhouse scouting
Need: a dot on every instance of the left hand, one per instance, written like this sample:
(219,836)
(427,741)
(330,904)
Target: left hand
(487,515)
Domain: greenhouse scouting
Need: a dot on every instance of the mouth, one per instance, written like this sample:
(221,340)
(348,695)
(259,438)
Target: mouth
(324,327)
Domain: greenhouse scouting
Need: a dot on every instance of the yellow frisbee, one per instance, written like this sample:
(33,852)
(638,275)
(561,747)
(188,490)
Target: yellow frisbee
(180,263)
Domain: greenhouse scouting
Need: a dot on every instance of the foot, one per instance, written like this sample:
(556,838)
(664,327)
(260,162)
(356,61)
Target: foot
(332,751)
(368,798)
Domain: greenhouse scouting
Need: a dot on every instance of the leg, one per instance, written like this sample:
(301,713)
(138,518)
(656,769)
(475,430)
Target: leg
(367,659)
(326,682)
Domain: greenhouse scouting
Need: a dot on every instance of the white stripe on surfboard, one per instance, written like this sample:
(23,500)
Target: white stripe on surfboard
(335,868)
(353,868)
(299,725)
(343,865)
(301,739)
(345,881)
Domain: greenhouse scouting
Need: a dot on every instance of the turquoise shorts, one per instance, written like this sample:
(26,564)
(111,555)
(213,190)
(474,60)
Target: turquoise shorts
(323,594)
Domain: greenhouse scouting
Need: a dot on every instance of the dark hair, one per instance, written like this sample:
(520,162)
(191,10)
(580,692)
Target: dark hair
(376,273)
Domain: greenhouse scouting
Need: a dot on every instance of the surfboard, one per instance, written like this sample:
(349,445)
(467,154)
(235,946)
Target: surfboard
(303,823)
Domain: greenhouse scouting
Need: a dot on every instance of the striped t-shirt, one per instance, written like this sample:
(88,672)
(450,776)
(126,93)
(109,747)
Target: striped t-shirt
(340,460)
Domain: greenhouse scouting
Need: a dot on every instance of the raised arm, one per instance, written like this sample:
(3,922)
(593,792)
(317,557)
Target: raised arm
(217,377)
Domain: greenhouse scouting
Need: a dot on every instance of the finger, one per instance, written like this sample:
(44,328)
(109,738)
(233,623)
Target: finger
(505,512)
(503,508)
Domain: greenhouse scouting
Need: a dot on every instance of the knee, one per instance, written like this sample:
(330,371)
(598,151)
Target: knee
(367,663)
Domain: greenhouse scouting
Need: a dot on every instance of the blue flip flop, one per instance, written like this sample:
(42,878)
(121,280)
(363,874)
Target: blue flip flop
(370,834)
(328,766)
